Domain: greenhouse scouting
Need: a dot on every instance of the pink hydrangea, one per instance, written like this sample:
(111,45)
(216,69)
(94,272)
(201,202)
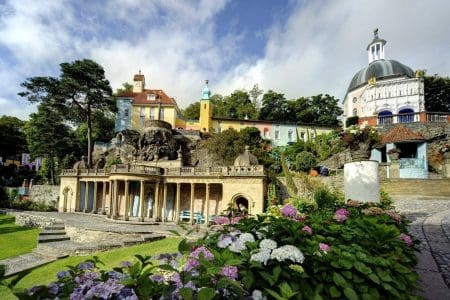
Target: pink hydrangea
(307,229)
(289,211)
(324,247)
(230,272)
(407,239)
(341,215)
(220,220)
(193,261)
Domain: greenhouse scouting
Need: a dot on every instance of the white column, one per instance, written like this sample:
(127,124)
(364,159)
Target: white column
(164,213)
(177,205)
(156,205)
(207,204)
(86,196)
(127,200)
(191,221)
(94,201)
(104,197)
(141,202)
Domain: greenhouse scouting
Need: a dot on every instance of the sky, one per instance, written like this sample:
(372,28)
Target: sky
(299,48)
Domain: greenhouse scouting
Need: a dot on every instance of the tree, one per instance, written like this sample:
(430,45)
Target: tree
(254,93)
(192,112)
(226,146)
(325,109)
(251,136)
(437,94)
(126,88)
(102,128)
(12,138)
(274,107)
(47,136)
(80,90)
(238,106)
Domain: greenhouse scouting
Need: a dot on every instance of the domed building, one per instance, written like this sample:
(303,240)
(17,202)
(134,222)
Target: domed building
(384,92)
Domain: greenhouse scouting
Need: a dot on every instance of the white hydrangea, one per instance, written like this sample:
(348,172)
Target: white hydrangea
(268,244)
(246,237)
(237,246)
(257,295)
(288,252)
(262,256)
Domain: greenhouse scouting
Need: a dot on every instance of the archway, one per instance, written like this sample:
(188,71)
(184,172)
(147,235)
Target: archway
(66,193)
(406,115)
(385,117)
(241,203)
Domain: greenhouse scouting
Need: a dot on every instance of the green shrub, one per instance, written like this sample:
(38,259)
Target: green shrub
(385,199)
(325,198)
(351,121)
(304,161)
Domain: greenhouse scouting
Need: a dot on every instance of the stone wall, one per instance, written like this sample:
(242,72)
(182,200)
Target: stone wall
(32,220)
(47,194)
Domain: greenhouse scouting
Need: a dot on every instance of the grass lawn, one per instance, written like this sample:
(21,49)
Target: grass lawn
(112,258)
(15,240)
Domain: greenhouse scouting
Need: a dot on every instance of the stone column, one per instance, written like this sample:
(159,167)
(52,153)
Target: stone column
(177,205)
(191,221)
(141,201)
(127,200)
(104,198)
(156,205)
(114,200)
(164,213)
(394,170)
(207,204)
(446,166)
(110,199)
(86,196)
(94,202)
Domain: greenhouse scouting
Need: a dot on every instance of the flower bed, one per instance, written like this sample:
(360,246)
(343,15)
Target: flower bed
(357,251)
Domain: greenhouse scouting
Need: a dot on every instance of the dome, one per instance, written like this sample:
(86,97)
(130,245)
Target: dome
(380,69)
(245,159)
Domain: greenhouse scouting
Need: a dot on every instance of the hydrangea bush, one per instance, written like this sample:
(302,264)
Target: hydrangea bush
(355,251)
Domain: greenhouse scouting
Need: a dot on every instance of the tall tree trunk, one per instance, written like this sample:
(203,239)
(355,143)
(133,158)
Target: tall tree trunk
(89,136)
(52,170)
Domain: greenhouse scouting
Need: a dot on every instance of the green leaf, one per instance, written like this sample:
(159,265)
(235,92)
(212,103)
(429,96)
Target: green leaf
(391,290)
(374,278)
(339,280)
(286,290)
(275,294)
(345,263)
(347,274)
(350,294)
(362,268)
(334,292)
(183,246)
(186,293)
(206,294)
(385,276)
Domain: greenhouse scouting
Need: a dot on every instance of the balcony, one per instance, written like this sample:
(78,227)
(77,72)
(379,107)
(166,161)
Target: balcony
(429,117)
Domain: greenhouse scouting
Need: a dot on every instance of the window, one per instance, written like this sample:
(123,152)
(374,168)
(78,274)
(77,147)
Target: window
(354,99)
(151,97)
(302,135)
(277,134)
(266,132)
(389,94)
(142,120)
(142,111)
(399,93)
(385,117)
(126,112)
(355,112)
(161,113)
(290,135)
(406,115)
(152,113)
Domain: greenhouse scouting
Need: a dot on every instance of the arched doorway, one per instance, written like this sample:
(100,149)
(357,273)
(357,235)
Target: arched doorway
(67,192)
(241,203)
(385,117)
(406,115)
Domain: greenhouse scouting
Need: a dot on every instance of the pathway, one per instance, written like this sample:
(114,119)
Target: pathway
(430,223)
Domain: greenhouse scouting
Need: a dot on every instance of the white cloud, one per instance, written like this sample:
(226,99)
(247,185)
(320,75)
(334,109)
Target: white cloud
(317,49)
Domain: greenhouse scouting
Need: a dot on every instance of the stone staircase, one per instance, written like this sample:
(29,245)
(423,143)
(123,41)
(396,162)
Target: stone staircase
(53,233)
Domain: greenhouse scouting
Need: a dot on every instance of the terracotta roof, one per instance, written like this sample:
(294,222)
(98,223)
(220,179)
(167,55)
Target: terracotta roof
(138,77)
(141,98)
(400,134)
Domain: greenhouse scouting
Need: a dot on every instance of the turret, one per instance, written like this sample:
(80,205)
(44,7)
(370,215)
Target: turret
(205,121)
(375,50)
(138,83)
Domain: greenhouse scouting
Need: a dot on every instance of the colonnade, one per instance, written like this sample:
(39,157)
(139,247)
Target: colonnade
(160,192)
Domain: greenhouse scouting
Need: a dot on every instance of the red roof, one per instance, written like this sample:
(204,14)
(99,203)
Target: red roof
(400,134)
(142,98)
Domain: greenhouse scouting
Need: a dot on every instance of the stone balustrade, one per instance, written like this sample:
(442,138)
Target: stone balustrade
(183,171)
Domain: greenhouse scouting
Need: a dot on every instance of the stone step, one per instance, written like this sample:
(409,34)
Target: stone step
(24,262)
(52,232)
(53,238)
(55,227)
(152,237)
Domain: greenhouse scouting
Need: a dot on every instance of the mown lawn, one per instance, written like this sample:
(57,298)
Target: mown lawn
(15,240)
(112,258)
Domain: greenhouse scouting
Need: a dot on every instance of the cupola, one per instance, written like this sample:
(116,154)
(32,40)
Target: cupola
(375,49)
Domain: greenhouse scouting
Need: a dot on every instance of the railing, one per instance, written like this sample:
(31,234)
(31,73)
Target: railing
(429,117)
(184,171)
(412,163)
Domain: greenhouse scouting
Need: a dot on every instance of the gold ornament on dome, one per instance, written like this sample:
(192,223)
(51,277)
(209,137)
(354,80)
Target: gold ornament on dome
(372,80)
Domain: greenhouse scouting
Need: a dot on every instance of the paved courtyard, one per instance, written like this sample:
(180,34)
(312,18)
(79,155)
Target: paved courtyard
(430,223)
